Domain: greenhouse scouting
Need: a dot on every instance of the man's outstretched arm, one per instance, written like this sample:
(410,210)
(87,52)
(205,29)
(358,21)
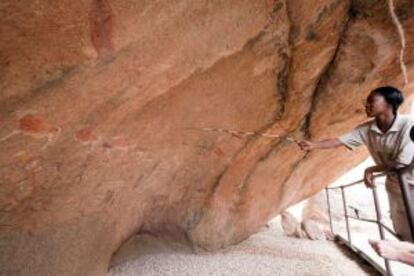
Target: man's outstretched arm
(322,144)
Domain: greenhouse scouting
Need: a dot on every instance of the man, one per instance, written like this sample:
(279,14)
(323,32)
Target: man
(387,137)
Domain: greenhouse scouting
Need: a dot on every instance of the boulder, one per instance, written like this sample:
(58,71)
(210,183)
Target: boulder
(103,105)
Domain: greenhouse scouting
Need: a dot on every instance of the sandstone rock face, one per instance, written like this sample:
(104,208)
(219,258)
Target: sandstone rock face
(102,102)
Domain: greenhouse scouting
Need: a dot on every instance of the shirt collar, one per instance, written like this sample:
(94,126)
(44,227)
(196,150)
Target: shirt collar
(395,127)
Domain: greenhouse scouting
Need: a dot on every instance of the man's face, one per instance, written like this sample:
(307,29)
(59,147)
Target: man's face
(376,104)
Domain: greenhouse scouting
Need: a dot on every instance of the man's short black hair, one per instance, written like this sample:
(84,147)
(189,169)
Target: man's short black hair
(392,96)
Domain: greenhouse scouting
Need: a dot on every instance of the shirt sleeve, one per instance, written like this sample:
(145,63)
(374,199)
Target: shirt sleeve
(354,138)
(406,148)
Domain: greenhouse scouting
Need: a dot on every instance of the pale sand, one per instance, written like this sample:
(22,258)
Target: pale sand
(268,252)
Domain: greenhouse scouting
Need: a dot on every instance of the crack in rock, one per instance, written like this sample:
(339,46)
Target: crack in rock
(401,34)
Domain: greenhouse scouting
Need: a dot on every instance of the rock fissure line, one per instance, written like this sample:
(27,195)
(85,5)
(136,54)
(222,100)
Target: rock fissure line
(283,74)
(256,133)
(251,135)
(401,35)
(325,75)
(316,93)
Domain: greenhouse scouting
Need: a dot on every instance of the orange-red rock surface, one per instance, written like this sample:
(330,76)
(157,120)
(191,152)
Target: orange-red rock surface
(102,102)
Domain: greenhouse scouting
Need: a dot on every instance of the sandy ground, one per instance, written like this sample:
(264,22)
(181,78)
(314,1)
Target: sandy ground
(268,252)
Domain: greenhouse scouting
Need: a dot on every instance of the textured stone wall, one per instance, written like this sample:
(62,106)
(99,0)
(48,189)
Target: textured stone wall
(102,104)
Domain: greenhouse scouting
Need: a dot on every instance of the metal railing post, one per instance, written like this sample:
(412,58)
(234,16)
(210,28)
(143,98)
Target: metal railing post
(408,201)
(379,224)
(329,210)
(348,230)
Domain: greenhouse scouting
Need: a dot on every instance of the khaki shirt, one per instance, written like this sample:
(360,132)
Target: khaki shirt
(395,145)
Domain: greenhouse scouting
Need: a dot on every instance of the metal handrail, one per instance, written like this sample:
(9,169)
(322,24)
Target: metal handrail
(356,182)
(381,226)
(375,221)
